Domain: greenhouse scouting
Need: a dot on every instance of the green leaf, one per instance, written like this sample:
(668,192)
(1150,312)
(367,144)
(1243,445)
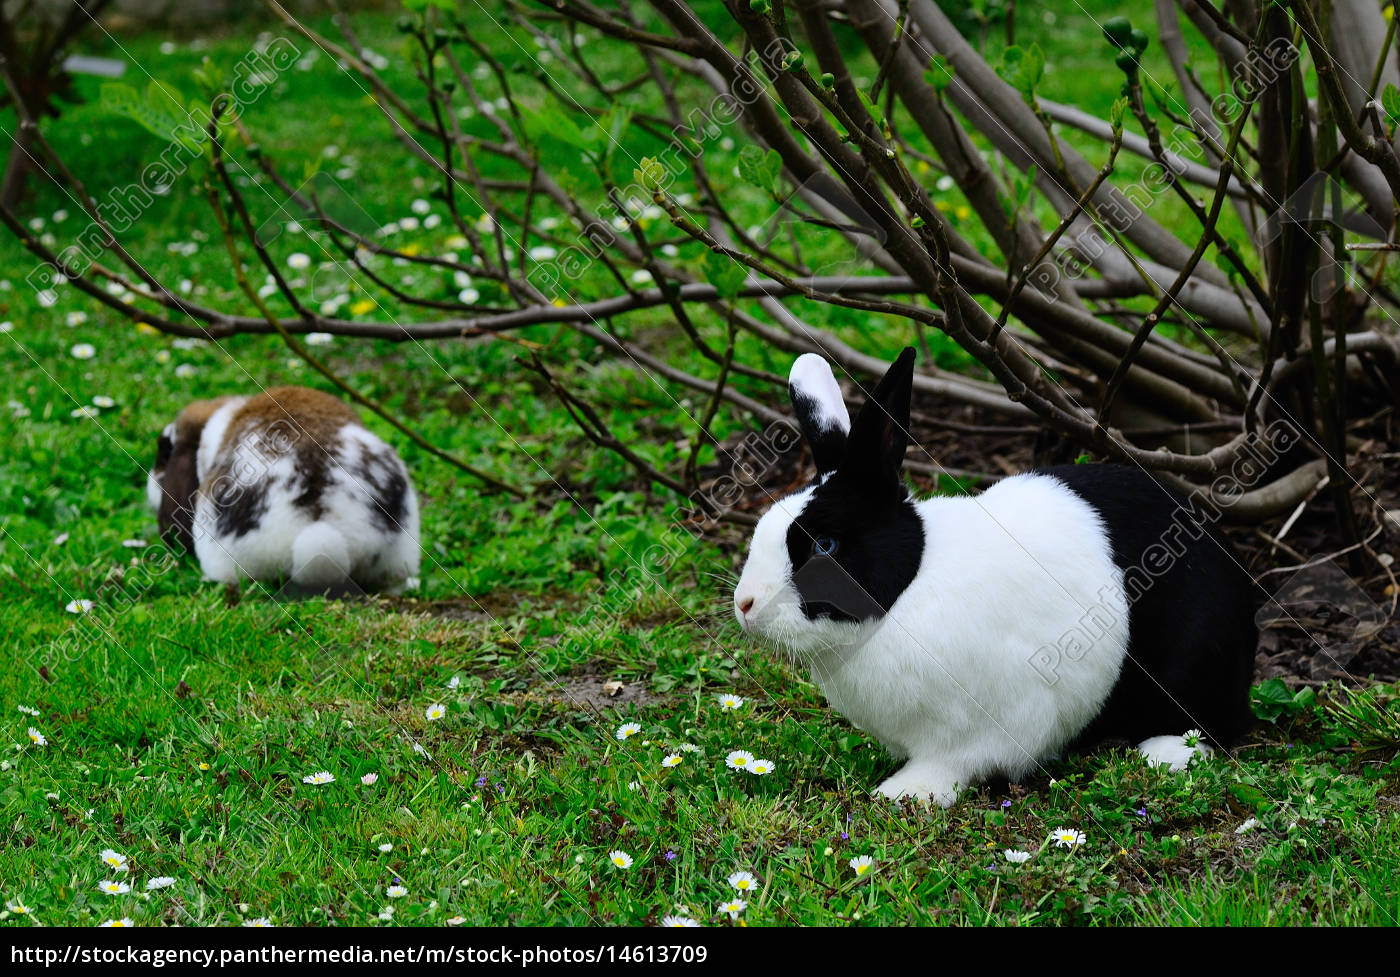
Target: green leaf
(761,169)
(1390,101)
(939,74)
(160,112)
(725,274)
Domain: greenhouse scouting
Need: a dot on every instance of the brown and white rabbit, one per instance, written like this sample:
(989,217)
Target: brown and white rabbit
(287,484)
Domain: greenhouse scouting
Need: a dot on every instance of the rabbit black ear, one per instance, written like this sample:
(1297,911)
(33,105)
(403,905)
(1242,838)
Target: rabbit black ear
(178,484)
(821,411)
(880,433)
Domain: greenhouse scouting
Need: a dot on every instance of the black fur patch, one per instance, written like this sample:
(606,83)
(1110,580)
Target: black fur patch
(239,505)
(1191,631)
(879,548)
(828,444)
(379,471)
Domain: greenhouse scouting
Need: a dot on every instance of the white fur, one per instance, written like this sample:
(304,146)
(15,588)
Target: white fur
(945,680)
(1173,752)
(344,543)
(811,376)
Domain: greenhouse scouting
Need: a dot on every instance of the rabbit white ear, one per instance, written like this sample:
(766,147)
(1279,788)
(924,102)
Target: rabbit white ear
(821,411)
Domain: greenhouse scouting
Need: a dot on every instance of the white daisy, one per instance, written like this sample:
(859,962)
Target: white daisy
(29,711)
(420,206)
(83,412)
(760,767)
(689,748)
(861,865)
(1016,856)
(386,848)
(620,858)
(113,888)
(370,779)
(75,318)
(743,882)
(82,351)
(124,922)
(396,892)
(102,400)
(159,882)
(1191,737)
(435,712)
(323,777)
(37,738)
(730,702)
(671,760)
(133,544)
(468,296)
(738,760)
(261,921)
(80,606)
(456,920)
(299,261)
(409,223)
(454,682)
(115,862)
(386,915)
(1248,826)
(183,371)
(733,907)
(319,339)
(628,729)
(1067,838)
(678,921)
(18,907)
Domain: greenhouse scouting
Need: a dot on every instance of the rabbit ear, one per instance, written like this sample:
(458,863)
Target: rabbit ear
(821,411)
(178,484)
(881,429)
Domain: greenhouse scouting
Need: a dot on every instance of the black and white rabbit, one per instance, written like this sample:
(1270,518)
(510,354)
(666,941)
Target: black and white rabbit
(977,636)
(289,485)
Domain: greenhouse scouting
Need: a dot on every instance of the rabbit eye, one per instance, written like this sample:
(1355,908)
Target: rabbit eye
(824,546)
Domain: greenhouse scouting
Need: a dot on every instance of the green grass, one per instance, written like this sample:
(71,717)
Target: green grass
(180,724)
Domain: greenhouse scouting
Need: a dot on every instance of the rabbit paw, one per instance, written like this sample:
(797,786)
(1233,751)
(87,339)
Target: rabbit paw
(927,784)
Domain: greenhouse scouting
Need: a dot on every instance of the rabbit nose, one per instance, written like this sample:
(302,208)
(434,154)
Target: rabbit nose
(746,605)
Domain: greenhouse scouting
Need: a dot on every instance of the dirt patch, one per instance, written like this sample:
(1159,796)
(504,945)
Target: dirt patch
(597,690)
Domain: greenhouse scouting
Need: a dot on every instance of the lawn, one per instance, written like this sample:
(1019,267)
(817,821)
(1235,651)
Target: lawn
(180,723)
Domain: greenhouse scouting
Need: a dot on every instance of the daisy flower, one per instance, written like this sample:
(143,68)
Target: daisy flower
(82,351)
(386,915)
(17,907)
(435,712)
(620,858)
(1016,856)
(319,339)
(730,702)
(628,729)
(420,206)
(260,921)
(101,400)
(117,863)
(124,922)
(1248,826)
(671,760)
(29,711)
(1191,737)
(733,907)
(396,892)
(370,779)
(159,882)
(761,767)
(454,682)
(80,606)
(386,848)
(113,888)
(743,882)
(456,921)
(678,921)
(1067,838)
(36,737)
(323,777)
(861,865)
(738,760)
(299,261)
(689,748)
